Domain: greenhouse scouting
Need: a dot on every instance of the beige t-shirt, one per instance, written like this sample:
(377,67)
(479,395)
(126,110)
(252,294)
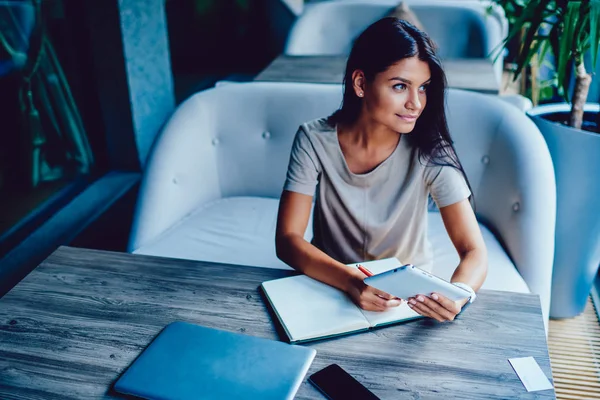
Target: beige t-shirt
(379,214)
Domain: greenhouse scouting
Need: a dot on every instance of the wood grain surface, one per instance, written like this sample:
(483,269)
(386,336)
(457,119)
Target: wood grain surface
(72,326)
(469,74)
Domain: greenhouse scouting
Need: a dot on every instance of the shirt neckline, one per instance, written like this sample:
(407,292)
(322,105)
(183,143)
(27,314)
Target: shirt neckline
(374,170)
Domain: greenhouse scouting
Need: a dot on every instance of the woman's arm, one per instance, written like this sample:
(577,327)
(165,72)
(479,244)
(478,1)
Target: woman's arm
(461,225)
(292,220)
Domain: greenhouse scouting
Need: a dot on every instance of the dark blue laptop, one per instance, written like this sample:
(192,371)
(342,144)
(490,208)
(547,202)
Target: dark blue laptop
(187,361)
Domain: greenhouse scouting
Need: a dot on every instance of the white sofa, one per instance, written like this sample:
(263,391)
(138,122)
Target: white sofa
(212,182)
(461,29)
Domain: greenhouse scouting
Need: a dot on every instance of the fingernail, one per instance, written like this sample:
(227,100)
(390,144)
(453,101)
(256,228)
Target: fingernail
(434,296)
(412,301)
(420,298)
(410,305)
(393,303)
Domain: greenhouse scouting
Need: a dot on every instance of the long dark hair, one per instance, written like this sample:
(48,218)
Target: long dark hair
(381,45)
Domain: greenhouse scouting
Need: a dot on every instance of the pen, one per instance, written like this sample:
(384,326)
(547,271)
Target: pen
(364,270)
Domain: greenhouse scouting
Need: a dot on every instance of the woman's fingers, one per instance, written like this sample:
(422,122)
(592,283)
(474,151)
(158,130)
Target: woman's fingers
(430,308)
(382,298)
(437,308)
(378,307)
(372,305)
(445,302)
(426,311)
(374,302)
(370,299)
(383,295)
(383,302)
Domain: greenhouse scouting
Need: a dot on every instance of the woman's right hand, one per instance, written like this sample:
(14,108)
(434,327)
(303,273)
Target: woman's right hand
(367,297)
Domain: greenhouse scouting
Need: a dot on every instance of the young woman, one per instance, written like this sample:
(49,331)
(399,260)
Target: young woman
(372,166)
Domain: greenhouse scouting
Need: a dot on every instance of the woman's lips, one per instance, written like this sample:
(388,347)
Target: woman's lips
(407,118)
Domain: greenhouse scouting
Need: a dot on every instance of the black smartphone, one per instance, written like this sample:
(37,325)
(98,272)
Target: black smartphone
(337,384)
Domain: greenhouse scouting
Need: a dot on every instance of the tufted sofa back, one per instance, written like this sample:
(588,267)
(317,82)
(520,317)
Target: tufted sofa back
(464,29)
(235,140)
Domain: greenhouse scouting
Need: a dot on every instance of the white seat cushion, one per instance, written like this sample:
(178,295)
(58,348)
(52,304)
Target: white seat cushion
(502,274)
(234,230)
(241,230)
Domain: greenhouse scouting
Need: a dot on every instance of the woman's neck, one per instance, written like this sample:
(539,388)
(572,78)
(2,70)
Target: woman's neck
(370,135)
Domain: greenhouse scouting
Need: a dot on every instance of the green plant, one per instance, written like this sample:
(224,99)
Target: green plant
(567,29)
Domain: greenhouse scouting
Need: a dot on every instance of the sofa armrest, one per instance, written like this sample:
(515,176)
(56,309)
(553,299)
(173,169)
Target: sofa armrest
(517,100)
(181,172)
(517,200)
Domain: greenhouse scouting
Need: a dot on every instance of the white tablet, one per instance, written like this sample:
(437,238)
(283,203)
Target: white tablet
(408,281)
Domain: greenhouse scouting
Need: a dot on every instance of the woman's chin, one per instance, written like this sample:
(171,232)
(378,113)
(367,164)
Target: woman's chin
(404,128)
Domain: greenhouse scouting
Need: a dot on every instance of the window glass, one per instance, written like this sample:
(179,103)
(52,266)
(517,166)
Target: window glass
(44,143)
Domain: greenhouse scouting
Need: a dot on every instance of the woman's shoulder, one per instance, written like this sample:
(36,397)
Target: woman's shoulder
(317,127)
(318,135)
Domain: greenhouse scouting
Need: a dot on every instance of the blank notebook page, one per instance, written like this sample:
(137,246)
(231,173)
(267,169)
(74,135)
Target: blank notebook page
(401,313)
(309,308)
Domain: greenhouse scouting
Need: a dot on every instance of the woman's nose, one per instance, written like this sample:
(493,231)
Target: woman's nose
(413,102)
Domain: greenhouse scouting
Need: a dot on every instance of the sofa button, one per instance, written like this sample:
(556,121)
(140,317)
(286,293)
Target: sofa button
(266,135)
(485,160)
(175,181)
(516,206)
(215,141)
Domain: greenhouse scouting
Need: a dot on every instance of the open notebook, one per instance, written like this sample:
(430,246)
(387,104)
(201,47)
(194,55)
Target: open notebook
(310,310)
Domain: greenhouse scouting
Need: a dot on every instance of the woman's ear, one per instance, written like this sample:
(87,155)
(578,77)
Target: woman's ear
(358,83)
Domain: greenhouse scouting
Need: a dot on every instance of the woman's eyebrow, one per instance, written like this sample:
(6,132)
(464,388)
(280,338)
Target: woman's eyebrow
(397,78)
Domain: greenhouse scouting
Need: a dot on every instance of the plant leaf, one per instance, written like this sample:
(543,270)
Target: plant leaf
(594,30)
(566,41)
(531,22)
(524,19)
(582,33)
(555,43)
(546,45)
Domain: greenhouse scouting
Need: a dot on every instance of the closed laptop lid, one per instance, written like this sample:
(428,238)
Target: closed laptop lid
(187,361)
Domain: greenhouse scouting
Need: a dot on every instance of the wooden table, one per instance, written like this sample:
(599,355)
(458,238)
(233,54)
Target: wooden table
(76,322)
(469,74)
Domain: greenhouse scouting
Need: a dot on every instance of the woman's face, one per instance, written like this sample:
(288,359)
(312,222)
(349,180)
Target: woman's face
(397,96)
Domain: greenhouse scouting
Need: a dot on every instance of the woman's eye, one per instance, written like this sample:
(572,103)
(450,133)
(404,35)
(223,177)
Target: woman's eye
(423,88)
(400,86)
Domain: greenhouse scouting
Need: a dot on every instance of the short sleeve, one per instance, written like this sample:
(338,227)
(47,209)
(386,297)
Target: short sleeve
(303,171)
(448,187)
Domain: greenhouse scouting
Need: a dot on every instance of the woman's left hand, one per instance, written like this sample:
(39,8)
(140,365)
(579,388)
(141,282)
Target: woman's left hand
(436,306)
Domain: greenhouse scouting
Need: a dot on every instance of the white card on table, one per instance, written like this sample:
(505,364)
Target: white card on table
(530,373)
